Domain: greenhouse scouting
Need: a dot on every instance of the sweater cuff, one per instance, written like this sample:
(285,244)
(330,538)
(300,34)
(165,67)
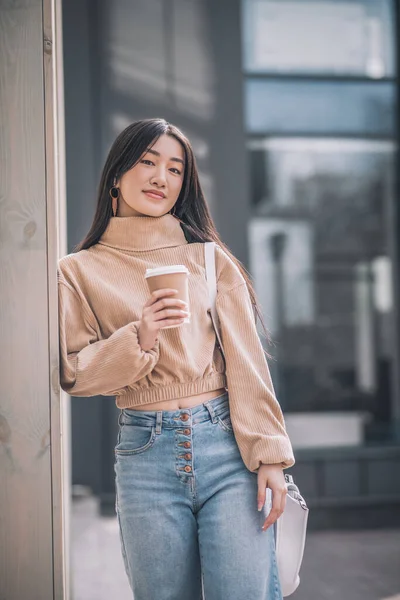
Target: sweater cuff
(271,450)
(154,352)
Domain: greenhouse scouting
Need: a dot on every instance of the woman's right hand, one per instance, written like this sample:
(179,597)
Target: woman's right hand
(160,311)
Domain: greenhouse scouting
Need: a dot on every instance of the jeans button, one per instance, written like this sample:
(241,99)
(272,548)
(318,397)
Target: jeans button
(187,444)
(188,456)
(184,417)
(187,469)
(186,432)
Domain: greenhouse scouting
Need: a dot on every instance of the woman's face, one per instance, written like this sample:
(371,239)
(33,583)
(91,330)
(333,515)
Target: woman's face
(153,185)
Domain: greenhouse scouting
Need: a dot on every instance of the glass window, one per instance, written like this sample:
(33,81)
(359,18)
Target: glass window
(320,254)
(319,107)
(301,36)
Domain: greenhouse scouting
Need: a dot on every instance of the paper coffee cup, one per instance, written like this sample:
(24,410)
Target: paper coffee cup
(170,276)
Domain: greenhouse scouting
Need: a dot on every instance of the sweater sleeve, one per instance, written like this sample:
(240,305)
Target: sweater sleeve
(89,366)
(256,416)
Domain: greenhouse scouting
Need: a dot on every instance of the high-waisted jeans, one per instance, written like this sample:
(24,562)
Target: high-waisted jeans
(187,508)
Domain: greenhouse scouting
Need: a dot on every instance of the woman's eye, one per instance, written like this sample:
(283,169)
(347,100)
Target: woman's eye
(147,161)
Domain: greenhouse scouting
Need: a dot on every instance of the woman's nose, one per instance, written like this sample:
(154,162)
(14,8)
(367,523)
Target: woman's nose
(159,178)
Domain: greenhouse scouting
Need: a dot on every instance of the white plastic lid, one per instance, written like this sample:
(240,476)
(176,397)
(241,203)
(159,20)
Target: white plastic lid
(166,270)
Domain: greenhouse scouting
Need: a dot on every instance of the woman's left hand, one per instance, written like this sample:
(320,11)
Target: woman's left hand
(271,476)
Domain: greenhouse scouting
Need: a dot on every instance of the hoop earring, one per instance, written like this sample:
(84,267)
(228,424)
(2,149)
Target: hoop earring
(114,193)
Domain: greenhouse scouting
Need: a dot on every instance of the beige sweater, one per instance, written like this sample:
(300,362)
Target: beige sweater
(101,294)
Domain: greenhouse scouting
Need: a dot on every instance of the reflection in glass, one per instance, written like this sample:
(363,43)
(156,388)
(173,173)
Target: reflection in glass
(320,251)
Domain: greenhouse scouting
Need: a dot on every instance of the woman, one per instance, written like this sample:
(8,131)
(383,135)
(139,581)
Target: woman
(199,440)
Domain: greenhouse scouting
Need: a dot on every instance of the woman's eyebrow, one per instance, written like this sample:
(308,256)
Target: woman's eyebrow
(179,160)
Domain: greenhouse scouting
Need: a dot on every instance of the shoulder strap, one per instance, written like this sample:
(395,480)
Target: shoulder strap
(209,251)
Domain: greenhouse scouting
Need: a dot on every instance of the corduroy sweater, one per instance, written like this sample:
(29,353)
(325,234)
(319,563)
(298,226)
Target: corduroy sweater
(102,291)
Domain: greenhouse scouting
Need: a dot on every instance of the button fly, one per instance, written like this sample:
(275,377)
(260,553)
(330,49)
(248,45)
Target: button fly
(184,465)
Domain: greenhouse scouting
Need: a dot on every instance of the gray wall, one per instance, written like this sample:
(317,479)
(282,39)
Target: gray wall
(161,58)
(82,149)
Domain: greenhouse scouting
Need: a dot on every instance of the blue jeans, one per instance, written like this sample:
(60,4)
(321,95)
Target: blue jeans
(187,508)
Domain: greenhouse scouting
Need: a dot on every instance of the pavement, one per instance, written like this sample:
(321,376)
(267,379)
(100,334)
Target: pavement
(339,565)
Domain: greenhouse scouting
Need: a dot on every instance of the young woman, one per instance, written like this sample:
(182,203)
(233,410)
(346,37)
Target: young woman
(200,438)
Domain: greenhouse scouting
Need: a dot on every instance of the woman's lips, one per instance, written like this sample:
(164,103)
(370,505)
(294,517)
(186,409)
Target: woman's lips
(155,196)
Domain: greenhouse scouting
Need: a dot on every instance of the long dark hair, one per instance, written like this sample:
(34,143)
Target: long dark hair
(190,208)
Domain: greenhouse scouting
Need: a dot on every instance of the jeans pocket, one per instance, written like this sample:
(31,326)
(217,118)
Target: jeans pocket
(134,439)
(224,421)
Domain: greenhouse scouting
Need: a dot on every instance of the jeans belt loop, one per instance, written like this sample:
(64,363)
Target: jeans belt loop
(159,422)
(210,409)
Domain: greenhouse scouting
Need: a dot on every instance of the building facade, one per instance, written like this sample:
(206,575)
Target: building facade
(291,108)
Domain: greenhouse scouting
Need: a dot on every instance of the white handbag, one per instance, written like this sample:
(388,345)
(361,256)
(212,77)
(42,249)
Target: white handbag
(290,528)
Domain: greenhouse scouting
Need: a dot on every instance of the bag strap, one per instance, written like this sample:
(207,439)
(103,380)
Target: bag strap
(209,252)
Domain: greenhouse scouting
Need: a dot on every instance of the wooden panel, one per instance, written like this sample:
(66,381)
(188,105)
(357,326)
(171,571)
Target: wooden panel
(28,331)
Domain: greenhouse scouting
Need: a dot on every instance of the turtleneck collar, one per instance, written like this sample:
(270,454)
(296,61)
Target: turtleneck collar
(143,233)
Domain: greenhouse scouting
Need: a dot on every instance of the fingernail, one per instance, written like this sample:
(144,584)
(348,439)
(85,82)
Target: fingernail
(259,506)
